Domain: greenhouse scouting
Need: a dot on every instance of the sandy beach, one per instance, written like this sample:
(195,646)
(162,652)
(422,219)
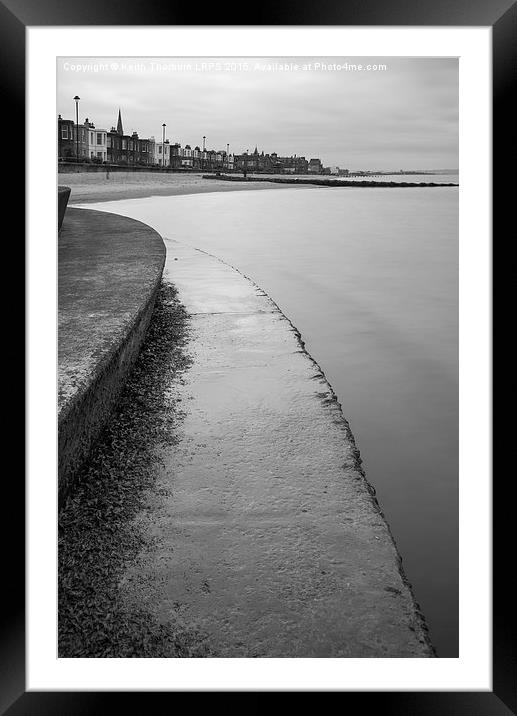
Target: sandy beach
(89,187)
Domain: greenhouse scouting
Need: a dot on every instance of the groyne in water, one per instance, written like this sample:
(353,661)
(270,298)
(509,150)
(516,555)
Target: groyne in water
(324,182)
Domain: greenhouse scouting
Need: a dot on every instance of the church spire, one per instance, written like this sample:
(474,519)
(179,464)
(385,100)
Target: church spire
(120,130)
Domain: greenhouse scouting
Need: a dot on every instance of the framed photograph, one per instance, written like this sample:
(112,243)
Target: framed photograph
(258,265)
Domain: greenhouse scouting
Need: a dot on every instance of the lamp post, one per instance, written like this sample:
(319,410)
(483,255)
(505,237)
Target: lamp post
(228,156)
(76,100)
(163,144)
(204,148)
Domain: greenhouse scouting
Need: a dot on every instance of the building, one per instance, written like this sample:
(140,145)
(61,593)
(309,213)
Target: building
(248,162)
(152,149)
(117,143)
(269,163)
(162,153)
(187,160)
(67,143)
(144,151)
(133,149)
(315,166)
(128,148)
(293,165)
(97,143)
(138,150)
(116,147)
(228,161)
(66,147)
(200,160)
(176,155)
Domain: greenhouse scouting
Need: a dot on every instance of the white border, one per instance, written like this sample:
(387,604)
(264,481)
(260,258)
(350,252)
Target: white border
(472,670)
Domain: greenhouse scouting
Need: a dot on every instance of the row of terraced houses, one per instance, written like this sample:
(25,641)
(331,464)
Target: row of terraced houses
(88,143)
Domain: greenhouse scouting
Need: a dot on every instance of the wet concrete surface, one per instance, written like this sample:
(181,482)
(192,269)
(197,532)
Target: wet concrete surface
(263,534)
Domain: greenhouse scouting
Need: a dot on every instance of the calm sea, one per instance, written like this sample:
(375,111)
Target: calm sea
(370,278)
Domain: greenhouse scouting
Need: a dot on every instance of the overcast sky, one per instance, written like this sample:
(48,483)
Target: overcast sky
(403,117)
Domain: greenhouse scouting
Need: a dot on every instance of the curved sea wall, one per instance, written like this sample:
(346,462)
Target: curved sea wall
(263,536)
(110,269)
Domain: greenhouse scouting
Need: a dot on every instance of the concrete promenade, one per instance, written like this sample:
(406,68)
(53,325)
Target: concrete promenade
(262,532)
(109,271)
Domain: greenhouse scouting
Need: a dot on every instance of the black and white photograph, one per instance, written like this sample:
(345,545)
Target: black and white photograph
(258,364)
(258,356)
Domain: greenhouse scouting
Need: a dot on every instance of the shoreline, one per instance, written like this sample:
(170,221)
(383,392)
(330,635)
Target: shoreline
(356,453)
(91,188)
(251,528)
(240,478)
(95,187)
(180,190)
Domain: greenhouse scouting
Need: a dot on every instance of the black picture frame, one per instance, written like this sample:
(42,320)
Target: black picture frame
(15,16)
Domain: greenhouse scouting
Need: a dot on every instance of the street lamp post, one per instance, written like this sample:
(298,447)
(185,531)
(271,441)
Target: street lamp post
(76,99)
(228,156)
(204,146)
(163,144)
